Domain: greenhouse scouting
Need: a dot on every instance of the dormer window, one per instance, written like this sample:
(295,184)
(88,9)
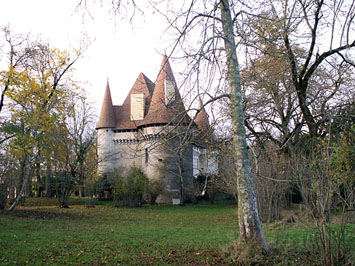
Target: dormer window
(169,91)
(137,106)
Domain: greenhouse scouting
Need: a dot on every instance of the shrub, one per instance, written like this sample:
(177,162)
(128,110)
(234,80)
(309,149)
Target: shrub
(155,187)
(91,202)
(129,189)
(104,186)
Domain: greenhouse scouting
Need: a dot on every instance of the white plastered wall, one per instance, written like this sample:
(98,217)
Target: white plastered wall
(137,106)
(105,150)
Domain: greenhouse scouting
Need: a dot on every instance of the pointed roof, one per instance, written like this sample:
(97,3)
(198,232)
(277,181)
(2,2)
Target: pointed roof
(204,136)
(159,112)
(155,112)
(202,117)
(107,115)
(141,85)
(123,117)
(165,71)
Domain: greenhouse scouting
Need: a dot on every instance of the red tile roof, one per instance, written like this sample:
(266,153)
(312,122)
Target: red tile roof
(156,111)
(202,118)
(123,112)
(159,112)
(107,115)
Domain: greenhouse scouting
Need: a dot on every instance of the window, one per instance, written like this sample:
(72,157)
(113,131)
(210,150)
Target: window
(169,91)
(146,156)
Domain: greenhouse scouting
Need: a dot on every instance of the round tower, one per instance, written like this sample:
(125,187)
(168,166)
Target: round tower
(105,126)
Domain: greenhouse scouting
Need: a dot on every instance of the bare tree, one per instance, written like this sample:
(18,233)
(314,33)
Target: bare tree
(213,64)
(17,55)
(82,133)
(303,80)
(249,222)
(70,152)
(314,36)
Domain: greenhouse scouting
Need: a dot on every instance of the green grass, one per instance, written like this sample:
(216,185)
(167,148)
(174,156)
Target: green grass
(42,234)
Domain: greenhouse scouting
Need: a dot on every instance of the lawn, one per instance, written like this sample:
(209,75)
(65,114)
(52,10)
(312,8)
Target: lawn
(40,233)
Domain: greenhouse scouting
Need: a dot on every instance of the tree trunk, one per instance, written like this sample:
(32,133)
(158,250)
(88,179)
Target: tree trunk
(249,222)
(62,199)
(82,191)
(38,174)
(62,195)
(27,170)
(81,178)
(181,178)
(48,180)
(301,88)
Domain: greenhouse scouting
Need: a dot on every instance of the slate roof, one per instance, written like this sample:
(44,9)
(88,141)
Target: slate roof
(156,111)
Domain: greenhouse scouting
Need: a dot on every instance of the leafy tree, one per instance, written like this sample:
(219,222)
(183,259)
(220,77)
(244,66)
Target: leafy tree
(30,120)
(36,89)
(129,189)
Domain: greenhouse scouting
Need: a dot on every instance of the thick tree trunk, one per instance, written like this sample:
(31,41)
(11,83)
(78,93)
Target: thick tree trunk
(62,198)
(249,222)
(301,88)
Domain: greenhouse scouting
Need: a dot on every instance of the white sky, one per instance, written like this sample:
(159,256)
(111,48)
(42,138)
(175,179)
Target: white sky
(120,52)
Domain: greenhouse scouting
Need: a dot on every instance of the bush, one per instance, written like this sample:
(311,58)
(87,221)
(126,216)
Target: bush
(129,189)
(155,187)
(91,202)
(104,186)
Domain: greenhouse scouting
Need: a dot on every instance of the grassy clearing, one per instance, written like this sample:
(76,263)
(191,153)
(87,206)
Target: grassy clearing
(42,234)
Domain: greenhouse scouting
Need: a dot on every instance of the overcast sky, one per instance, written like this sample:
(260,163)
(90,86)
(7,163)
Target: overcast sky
(119,50)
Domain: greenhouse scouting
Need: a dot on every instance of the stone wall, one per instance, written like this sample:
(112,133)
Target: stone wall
(152,152)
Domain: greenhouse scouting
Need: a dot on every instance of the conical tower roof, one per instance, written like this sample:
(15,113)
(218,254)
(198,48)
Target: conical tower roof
(159,111)
(202,117)
(204,136)
(123,114)
(107,115)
